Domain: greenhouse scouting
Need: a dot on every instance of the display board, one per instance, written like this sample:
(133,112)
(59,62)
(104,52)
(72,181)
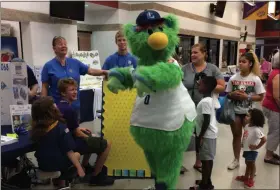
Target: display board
(126,158)
(14,88)
(91,59)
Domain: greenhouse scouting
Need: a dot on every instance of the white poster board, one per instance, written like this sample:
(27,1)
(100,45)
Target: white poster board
(14,88)
(20,115)
(91,59)
(37,70)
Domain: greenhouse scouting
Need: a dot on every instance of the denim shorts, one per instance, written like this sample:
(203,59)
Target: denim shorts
(250,155)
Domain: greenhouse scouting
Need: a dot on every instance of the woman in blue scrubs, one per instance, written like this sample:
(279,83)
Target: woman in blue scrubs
(64,67)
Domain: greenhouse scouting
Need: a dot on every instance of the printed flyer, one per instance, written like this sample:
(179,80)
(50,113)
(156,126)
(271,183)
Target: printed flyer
(20,115)
(91,59)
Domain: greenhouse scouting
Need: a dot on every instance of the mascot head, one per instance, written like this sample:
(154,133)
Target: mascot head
(153,38)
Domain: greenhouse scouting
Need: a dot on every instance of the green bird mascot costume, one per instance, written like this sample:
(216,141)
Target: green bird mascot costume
(162,119)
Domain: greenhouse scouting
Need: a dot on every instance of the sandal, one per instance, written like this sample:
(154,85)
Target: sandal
(276,156)
(273,161)
(197,168)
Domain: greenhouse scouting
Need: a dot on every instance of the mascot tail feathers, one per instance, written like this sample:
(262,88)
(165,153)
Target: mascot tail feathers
(164,150)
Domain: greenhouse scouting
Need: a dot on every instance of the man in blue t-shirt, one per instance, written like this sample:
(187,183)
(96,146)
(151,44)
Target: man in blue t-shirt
(121,58)
(86,142)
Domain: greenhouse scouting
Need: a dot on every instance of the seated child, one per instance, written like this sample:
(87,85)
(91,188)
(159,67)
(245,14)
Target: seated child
(86,142)
(206,128)
(55,144)
(253,139)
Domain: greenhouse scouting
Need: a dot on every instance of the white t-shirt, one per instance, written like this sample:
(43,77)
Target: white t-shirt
(251,136)
(207,106)
(250,84)
(165,110)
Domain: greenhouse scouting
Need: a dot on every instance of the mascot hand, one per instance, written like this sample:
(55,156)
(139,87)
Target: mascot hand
(142,89)
(114,85)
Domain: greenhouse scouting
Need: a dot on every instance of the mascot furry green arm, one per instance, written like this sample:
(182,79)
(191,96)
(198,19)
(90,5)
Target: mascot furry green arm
(162,120)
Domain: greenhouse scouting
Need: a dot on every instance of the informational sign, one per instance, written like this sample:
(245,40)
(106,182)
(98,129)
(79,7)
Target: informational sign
(20,115)
(14,88)
(126,158)
(91,59)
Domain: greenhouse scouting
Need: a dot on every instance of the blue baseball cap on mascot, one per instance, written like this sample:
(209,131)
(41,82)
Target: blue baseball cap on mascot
(148,17)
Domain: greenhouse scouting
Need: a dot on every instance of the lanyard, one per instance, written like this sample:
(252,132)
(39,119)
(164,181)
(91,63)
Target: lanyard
(193,67)
(64,67)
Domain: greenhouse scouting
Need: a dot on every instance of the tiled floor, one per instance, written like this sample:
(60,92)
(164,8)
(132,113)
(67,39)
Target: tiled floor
(267,175)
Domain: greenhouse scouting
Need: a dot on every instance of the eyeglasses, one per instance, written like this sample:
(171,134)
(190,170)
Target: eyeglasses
(199,76)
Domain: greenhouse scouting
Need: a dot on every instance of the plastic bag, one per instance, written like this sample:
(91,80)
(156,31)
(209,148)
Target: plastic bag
(226,113)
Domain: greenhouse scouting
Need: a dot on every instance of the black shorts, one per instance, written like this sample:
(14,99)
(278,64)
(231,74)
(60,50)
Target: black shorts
(90,145)
(242,117)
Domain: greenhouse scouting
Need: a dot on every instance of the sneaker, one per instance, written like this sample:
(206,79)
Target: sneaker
(249,183)
(98,181)
(233,165)
(150,188)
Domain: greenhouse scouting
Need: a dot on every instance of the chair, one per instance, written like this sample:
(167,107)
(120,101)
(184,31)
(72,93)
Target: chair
(68,176)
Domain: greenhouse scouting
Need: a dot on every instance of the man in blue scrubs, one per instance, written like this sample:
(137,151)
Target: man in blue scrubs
(121,58)
(64,67)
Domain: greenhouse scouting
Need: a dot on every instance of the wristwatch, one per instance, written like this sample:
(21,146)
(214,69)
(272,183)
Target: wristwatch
(249,97)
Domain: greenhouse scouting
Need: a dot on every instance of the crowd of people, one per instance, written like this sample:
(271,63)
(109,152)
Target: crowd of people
(55,121)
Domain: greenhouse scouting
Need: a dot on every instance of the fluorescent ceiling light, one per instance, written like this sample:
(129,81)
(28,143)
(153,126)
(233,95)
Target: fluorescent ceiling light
(250,2)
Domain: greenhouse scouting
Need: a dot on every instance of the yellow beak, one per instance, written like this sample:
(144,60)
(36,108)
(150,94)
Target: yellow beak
(158,40)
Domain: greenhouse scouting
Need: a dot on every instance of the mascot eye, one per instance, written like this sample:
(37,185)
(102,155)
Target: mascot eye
(150,31)
(160,28)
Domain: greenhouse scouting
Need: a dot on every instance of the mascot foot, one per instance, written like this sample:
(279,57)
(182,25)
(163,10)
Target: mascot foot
(161,186)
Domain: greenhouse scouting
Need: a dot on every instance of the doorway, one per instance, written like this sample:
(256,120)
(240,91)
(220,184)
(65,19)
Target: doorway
(84,41)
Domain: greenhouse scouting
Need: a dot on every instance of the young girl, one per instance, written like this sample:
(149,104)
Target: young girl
(54,151)
(243,88)
(253,139)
